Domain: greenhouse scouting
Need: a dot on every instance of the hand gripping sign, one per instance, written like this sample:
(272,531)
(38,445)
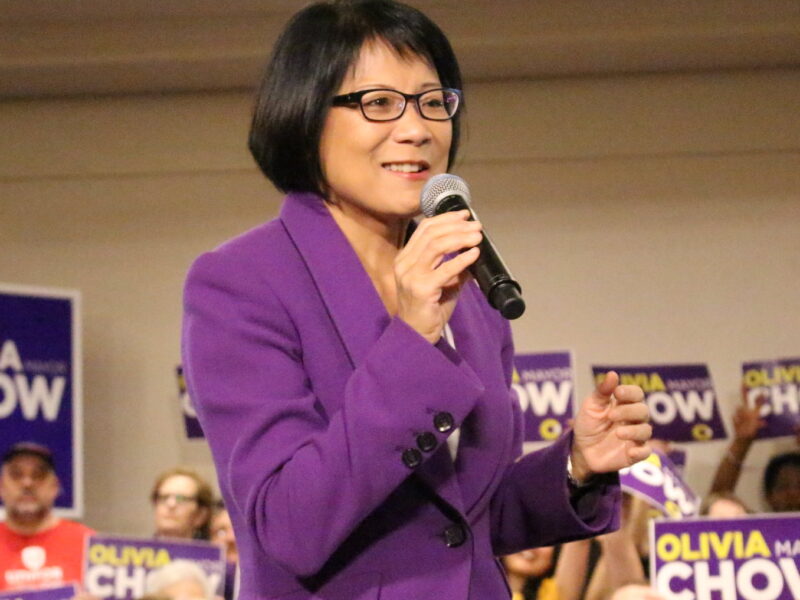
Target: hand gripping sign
(683,404)
(753,558)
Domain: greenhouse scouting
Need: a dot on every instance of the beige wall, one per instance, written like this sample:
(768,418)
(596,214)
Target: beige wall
(649,219)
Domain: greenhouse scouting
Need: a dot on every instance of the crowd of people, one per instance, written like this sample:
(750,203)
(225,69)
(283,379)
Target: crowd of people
(615,566)
(39,549)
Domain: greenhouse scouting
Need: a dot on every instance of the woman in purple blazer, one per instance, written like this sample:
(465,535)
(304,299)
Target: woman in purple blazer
(352,382)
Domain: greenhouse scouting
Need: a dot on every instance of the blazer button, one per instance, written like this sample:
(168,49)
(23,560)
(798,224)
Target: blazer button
(443,422)
(426,441)
(454,535)
(412,458)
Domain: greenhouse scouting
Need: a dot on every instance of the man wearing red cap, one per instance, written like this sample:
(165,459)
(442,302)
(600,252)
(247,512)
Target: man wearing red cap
(37,548)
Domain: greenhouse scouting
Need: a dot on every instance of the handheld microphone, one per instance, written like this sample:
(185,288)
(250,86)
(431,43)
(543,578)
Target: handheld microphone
(446,193)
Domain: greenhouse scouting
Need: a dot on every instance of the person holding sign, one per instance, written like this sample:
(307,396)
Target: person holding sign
(37,548)
(781,479)
(333,353)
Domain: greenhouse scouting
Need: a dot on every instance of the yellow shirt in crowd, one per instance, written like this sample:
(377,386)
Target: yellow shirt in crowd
(547,591)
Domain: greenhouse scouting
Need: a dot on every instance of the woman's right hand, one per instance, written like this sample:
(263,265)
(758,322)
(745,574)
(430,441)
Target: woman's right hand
(427,283)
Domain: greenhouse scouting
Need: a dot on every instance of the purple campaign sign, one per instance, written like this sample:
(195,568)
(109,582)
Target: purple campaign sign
(118,567)
(754,558)
(658,482)
(683,404)
(191,424)
(64,592)
(545,389)
(40,381)
(778,382)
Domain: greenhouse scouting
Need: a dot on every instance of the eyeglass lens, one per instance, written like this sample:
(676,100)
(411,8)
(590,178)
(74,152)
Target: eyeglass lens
(178,498)
(385,105)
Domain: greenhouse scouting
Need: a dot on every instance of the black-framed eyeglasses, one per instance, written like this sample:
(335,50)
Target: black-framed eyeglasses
(440,104)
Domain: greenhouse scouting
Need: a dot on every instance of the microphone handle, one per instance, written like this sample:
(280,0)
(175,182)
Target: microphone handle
(502,292)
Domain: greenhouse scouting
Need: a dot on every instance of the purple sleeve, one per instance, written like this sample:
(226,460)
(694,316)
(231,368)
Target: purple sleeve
(534,505)
(303,480)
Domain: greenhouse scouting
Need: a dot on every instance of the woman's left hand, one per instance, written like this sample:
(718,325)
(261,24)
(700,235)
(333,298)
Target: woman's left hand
(610,430)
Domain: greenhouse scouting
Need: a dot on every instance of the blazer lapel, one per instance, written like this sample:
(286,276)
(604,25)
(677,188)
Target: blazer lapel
(360,317)
(346,290)
(487,433)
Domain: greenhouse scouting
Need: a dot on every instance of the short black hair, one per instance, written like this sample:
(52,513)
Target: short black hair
(774,466)
(309,62)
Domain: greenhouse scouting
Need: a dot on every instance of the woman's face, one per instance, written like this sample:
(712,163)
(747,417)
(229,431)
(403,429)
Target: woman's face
(378,169)
(726,509)
(785,493)
(530,563)
(177,512)
(222,534)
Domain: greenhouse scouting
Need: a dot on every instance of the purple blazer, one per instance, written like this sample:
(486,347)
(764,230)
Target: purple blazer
(328,419)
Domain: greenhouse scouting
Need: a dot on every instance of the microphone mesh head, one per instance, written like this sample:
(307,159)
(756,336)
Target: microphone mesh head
(440,187)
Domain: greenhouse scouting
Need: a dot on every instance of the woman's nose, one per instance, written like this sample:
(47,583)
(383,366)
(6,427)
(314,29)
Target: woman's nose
(411,127)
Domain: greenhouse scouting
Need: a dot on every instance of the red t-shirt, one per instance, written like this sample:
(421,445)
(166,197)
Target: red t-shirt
(49,558)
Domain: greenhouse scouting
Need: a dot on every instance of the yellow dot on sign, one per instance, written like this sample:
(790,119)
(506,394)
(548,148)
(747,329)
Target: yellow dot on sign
(550,429)
(701,431)
(515,376)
